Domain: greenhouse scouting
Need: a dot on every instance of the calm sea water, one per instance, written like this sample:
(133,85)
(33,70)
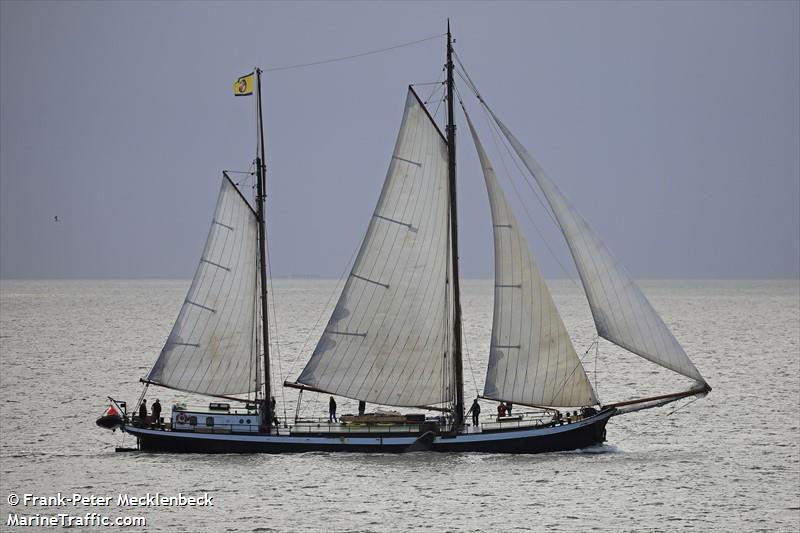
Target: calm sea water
(728,462)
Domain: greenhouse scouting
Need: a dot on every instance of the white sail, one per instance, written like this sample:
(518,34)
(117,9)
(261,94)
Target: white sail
(622,313)
(212,349)
(386,338)
(532,360)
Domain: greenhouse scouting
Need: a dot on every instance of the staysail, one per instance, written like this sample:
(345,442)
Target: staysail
(386,338)
(622,314)
(212,347)
(532,360)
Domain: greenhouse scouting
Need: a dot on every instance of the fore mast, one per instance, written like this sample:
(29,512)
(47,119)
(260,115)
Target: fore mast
(266,408)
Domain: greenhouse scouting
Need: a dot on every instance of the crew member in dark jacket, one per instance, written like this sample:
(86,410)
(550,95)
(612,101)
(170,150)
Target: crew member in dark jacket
(156,413)
(476,412)
(143,412)
(332,410)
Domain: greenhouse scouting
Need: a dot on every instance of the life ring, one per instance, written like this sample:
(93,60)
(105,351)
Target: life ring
(182,418)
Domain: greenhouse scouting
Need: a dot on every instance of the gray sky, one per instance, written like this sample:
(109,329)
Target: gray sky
(673,127)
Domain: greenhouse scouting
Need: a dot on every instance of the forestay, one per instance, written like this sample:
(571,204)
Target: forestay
(386,338)
(212,347)
(622,313)
(532,360)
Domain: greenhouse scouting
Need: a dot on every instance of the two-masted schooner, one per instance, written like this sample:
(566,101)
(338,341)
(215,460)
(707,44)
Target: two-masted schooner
(394,337)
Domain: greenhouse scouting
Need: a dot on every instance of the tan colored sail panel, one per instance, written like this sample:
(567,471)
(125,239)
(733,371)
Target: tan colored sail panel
(385,340)
(622,313)
(211,348)
(532,359)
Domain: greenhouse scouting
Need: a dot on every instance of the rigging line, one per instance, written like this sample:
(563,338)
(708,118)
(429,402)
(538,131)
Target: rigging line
(684,405)
(495,135)
(440,82)
(274,337)
(464,75)
(252,374)
(469,362)
(238,172)
(352,56)
(247,175)
(596,355)
(435,97)
(546,207)
(468,80)
(447,381)
(574,369)
(436,111)
(344,275)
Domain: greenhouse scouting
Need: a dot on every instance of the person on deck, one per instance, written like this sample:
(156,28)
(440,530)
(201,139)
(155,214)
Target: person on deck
(501,410)
(273,412)
(362,407)
(143,412)
(509,407)
(156,422)
(476,412)
(332,410)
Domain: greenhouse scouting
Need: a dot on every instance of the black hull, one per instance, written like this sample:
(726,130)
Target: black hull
(583,434)
(573,438)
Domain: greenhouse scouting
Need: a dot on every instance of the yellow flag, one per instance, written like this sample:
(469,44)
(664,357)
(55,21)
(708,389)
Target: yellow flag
(244,85)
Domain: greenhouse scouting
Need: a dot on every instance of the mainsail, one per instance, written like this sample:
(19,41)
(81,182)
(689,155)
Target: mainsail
(386,339)
(622,314)
(212,347)
(532,360)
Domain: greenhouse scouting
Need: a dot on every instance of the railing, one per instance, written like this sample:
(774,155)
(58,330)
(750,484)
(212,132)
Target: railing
(525,422)
(321,425)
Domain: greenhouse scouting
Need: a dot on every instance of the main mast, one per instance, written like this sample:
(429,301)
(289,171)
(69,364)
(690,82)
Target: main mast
(267,414)
(458,371)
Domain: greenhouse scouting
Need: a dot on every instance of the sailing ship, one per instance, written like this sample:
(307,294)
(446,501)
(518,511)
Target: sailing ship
(394,337)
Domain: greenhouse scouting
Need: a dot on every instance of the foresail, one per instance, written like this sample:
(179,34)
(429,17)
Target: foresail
(386,338)
(212,347)
(622,314)
(532,360)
